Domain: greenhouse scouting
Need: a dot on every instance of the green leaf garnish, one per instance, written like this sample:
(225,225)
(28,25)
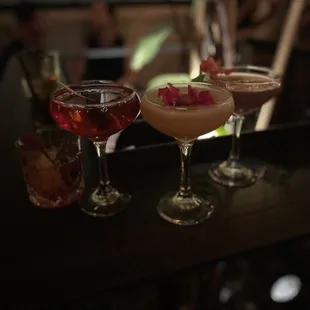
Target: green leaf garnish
(199,78)
(221,131)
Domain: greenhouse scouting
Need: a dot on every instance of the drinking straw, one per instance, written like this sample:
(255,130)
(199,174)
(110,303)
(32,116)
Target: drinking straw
(283,52)
(54,78)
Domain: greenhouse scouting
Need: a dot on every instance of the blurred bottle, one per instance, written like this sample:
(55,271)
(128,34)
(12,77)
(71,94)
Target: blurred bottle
(38,88)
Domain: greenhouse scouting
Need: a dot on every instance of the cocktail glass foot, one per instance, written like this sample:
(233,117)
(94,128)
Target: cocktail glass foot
(104,204)
(232,174)
(185,211)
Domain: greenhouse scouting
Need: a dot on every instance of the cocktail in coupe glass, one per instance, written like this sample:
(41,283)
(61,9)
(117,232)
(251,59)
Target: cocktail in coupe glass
(185,123)
(97,111)
(251,87)
(90,82)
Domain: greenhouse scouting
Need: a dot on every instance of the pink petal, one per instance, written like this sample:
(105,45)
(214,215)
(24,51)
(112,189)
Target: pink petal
(208,65)
(213,68)
(171,96)
(173,89)
(206,98)
(192,92)
(164,94)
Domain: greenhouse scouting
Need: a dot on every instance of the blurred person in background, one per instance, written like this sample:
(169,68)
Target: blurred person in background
(103,32)
(30,35)
(25,92)
(260,18)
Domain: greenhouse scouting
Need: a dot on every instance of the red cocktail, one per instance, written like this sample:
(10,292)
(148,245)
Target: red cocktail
(97,110)
(102,115)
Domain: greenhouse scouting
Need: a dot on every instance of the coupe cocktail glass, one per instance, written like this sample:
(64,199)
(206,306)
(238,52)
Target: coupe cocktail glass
(91,82)
(185,124)
(251,87)
(104,109)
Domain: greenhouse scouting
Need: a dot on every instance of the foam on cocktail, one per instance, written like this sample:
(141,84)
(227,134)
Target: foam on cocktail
(250,90)
(186,123)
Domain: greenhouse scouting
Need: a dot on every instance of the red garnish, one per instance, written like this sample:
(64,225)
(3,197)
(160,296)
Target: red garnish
(32,142)
(213,68)
(171,96)
(205,96)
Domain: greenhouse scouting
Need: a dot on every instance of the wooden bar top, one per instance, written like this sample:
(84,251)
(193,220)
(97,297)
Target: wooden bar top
(65,253)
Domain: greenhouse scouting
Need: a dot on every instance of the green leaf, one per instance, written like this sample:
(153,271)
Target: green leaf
(148,47)
(199,78)
(221,131)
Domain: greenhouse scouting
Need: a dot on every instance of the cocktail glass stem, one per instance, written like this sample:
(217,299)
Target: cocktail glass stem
(185,187)
(185,207)
(79,144)
(234,154)
(232,172)
(104,185)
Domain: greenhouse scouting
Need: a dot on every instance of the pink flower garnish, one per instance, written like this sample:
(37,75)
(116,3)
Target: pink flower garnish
(213,68)
(171,96)
(206,97)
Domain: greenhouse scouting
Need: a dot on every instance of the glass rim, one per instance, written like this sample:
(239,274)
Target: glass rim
(190,108)
(253,69)
(99,82)
(93,85)
(19,144)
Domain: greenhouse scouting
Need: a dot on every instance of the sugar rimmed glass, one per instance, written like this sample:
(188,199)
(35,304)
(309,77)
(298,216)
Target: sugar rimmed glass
(251,87)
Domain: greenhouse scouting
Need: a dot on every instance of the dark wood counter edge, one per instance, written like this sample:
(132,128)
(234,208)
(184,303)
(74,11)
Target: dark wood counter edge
(272,128)
(183,248)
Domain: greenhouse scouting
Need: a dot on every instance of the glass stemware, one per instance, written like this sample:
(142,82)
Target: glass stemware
(97,111)
(185,124)
(90,82)
(251,87)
